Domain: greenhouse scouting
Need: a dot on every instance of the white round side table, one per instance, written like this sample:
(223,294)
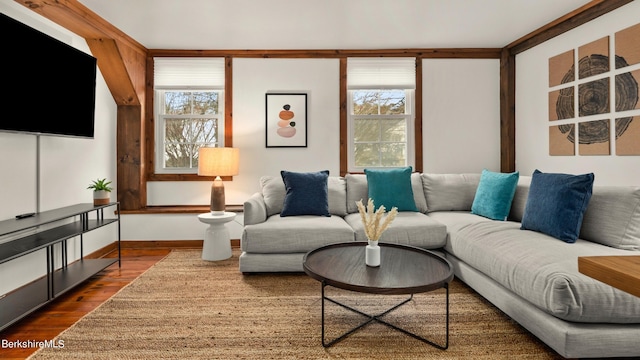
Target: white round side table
(217,242)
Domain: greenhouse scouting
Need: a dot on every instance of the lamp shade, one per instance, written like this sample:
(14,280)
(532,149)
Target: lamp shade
(222,161)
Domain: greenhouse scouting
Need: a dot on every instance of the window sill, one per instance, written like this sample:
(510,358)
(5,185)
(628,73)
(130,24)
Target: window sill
(184,177)
(179,209)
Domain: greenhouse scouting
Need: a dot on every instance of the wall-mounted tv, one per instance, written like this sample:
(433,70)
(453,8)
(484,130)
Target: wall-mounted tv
(48,87)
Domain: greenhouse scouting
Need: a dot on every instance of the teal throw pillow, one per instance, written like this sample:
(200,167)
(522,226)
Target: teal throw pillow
(556,204)
(494,194)
(391,188)
(306,193)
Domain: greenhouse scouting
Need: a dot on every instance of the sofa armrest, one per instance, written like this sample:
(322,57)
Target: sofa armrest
(255,210)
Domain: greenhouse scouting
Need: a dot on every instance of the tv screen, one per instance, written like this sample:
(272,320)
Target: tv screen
(48,86)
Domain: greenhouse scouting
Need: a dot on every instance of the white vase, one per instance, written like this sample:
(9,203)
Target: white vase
(372,253)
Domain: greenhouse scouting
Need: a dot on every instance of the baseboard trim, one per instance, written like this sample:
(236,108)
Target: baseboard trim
(161,244)
(152,244)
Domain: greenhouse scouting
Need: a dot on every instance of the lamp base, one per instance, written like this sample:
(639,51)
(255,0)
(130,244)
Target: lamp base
(217,197)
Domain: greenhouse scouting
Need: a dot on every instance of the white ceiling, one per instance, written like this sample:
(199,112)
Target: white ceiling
(328,24)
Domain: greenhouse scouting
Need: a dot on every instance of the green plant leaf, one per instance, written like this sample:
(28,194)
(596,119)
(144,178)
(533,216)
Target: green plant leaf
(100,184)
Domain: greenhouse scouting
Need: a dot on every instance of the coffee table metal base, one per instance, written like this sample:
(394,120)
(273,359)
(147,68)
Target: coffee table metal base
(378,318)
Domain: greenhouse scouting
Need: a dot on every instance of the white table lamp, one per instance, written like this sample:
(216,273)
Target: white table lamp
(222,161)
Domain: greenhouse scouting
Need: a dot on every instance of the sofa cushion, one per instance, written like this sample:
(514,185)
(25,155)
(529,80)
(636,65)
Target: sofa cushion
(391,188)
(294,234)
(306,193)
(273,191)
(494,194)
(408,228)
(556,204)
(613,217)
(455,220)
(450,192)
(357,189)
(520,198)
(541,269)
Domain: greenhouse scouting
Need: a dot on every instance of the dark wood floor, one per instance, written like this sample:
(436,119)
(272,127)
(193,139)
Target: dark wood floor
(49,321)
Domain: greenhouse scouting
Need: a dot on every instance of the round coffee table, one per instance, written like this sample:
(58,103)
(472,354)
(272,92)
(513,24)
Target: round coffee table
(403,270)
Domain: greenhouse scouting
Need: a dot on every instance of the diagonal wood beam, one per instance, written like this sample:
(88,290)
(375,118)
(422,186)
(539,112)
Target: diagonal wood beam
(112,67)
(572,20)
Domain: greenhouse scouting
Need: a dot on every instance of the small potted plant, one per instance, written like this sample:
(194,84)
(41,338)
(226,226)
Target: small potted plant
(101,191)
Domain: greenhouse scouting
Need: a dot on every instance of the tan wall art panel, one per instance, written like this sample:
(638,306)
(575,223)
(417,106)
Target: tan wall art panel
(594,138)
(627,91)
(561,140)
(628,136)
(593,58)
(594,90)
(593,97)
(561,69)
(627,45)
(561,104)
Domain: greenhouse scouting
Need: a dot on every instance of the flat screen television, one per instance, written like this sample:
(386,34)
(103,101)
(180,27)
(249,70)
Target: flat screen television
(48,87)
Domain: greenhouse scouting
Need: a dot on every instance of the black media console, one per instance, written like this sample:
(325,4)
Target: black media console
(44,230)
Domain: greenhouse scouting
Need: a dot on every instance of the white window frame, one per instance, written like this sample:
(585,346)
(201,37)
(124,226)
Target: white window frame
(379,74)
(409,118)
(160,128)
(189,75)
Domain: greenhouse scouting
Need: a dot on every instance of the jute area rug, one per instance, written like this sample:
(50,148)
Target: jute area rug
(187,308)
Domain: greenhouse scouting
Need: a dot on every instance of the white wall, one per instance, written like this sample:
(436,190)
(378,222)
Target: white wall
(319,78)
(532,87)
(67,165)
(461,115)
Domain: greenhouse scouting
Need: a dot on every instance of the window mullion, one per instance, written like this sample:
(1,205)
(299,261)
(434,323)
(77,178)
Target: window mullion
(379,134)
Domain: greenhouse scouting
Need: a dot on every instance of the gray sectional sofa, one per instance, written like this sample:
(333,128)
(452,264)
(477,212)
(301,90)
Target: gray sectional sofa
(532,277)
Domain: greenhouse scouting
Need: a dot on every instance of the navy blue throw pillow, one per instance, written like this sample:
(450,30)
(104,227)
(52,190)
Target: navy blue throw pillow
(556,204)
(306,193)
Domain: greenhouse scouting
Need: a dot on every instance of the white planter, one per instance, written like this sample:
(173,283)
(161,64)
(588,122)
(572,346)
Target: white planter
(101,197)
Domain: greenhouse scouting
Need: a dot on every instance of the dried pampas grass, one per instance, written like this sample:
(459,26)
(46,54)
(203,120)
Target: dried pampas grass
(371,219)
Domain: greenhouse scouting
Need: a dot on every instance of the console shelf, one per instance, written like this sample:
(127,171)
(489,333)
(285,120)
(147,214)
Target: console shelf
(28,298)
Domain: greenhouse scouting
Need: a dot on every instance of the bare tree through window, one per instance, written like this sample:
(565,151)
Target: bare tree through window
(379,128)
(190,121)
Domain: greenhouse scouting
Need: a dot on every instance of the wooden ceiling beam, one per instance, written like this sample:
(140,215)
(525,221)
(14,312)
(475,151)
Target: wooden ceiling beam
(570,21)
(476,53)
(113,68)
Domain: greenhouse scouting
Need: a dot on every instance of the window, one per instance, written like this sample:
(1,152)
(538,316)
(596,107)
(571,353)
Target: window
(189,111)
(380,128)
(187,120)
(380,113)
